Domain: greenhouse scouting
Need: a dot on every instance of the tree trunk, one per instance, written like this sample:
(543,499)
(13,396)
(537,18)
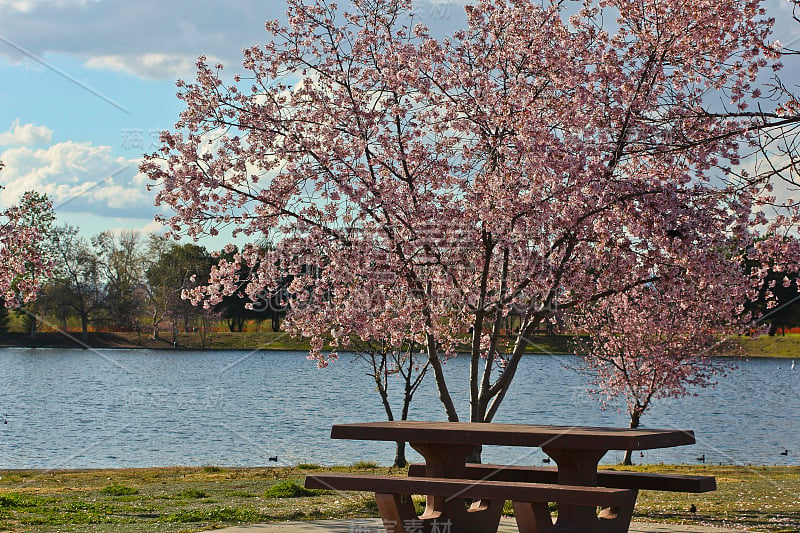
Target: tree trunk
(400,450)
(400,446)
(400,455)
(628,460)
(441,383)
(636,415)
(34,323)
(84,328)
(156,323)
(475,455)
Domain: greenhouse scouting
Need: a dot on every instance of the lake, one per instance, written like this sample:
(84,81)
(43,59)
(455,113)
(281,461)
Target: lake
(135,408)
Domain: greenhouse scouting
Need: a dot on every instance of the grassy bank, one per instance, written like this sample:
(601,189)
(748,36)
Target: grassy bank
(123,339)
(787,346)
(197,499)
(222,340)
(778,346)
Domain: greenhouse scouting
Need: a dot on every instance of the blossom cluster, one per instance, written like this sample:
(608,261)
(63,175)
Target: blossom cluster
(24,261)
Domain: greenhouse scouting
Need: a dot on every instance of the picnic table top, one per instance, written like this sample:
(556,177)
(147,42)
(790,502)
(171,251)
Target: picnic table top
(473,433)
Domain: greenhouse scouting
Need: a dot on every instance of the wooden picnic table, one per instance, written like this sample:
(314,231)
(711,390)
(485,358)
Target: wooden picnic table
(576,451)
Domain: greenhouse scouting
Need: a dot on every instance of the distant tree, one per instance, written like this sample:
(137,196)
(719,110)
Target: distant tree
(55,301)
(177,269)
(654,342)
(77,276)
(156,302)
(234,308)
(122,263)
(4,318)
(207,318)
(272,304)
(778,301)
(240,306)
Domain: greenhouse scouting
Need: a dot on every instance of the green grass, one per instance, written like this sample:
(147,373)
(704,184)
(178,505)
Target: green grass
(118,490)
(365,465)
(765,346)
(308,466)
(194,499)
(166,499)
(754,498)
(192,494)
(787,346)
(290,489)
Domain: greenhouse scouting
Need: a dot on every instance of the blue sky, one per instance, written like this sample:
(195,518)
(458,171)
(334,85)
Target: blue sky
(88,84)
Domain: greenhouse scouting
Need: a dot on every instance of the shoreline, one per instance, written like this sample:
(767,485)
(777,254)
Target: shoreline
(367,466)
(143,341)
(777,347)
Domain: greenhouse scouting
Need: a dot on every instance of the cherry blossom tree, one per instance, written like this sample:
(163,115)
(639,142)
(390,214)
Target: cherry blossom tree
(544,157)
(24,261)
(651,343)
(386,362)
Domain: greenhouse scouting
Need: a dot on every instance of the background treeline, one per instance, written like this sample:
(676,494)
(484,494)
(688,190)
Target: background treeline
(124,281)
(127,281)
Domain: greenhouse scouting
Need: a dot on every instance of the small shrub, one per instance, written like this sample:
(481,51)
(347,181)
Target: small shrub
(192,494)
(289,489)
(118,490)
(308,466)
(17,501)
(211,469)
(366,465)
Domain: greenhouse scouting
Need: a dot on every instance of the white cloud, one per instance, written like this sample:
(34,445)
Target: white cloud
(134,225)
(152,66)
(26,6)
(79,178)
(25,135)
(153,226)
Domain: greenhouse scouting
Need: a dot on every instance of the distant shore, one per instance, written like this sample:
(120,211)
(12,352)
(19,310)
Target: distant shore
(218,340)
(787,346)
(132,340)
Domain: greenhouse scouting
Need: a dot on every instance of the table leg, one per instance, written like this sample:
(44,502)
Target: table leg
(397,512)
(579,467)
(449,461)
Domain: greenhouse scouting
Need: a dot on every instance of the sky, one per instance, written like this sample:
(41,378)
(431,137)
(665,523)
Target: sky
(87,85)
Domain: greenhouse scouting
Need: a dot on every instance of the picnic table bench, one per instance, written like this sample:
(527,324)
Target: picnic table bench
(463,497)
(619,479)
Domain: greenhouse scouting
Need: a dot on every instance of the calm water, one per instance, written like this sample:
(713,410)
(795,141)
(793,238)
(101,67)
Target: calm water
(129,408)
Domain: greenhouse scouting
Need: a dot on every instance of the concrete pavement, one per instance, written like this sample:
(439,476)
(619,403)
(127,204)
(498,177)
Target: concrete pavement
(361,525)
